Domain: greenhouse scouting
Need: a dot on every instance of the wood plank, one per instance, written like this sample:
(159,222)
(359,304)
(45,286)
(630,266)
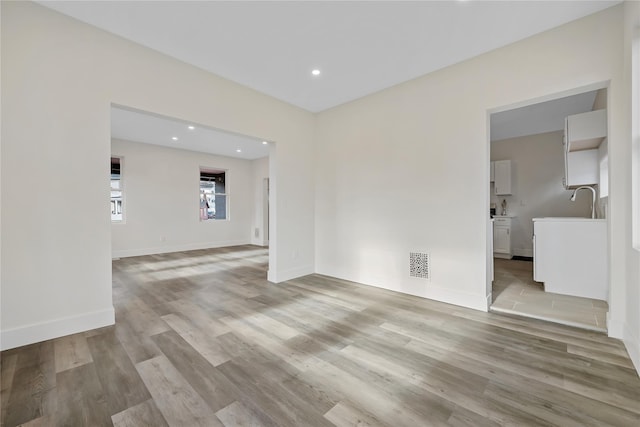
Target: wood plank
(207,381)
(138,345)
(144,414)
(372,393)
(208,347)
(143,319)
(71,351)
(284,408)
(46,421)
(346,414)
(602,356)
(198,316)
(238,415)
(81,399)
(32,392)
(176,399)
(120,381)
(299,359)
(8,363)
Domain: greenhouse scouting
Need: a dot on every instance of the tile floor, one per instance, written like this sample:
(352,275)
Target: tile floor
(515,292)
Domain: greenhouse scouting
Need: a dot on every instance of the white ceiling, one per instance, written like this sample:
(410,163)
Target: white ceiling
(360,47)
(539,118)
(143,127)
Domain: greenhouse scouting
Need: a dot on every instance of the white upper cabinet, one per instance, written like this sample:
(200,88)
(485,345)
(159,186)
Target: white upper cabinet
(502,177)
(586,131)
(583,134)
(581,168)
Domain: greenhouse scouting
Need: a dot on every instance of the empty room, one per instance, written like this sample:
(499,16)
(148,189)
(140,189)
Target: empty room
(305,213)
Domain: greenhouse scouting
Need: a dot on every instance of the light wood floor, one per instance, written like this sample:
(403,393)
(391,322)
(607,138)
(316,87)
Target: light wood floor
(202,339)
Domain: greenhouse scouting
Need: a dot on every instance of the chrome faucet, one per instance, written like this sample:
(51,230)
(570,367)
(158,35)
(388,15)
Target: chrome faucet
(593,198)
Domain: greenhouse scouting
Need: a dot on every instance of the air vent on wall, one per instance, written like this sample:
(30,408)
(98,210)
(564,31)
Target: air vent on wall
(419,265)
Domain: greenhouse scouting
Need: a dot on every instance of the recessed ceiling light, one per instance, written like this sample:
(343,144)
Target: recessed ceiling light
(238,151)
(175,138)
(264,142)
(191,127)
(315,72)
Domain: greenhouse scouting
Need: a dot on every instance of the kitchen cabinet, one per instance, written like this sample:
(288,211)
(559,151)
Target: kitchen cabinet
(570,256)
(502,177)
(581,168)
(585,131)
(502,237)
(583,134)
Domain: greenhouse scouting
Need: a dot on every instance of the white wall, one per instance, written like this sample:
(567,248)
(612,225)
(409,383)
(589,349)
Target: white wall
(407,168)
(259,221)
(59,79)
(537,169)
(161,206)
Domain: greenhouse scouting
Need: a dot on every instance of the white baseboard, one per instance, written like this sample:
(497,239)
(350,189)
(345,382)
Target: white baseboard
(463,299)
(292,273)
(523,252)
(430,291)
(501,255)
(632,343)
(29,334)
(124,253)
(259,242)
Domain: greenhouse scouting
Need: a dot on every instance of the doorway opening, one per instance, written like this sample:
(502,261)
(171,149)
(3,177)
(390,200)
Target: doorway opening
(548,173)
(186,186)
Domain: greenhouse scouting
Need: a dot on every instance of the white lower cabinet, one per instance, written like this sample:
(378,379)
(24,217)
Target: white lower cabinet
(502,237)
(570,256)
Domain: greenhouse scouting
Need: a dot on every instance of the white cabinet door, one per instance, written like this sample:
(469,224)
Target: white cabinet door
(501,239)
(502,175)
(583,134)
(582,168)
(571,256)
(587,130)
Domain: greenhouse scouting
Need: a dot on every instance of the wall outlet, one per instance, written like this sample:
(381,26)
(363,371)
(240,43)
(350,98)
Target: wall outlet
(256,232)
(163,239)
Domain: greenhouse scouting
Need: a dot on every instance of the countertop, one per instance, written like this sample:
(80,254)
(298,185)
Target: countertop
(568,219)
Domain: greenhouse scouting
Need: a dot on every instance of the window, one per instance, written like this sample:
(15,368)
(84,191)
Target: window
(213,194)
(116,189)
